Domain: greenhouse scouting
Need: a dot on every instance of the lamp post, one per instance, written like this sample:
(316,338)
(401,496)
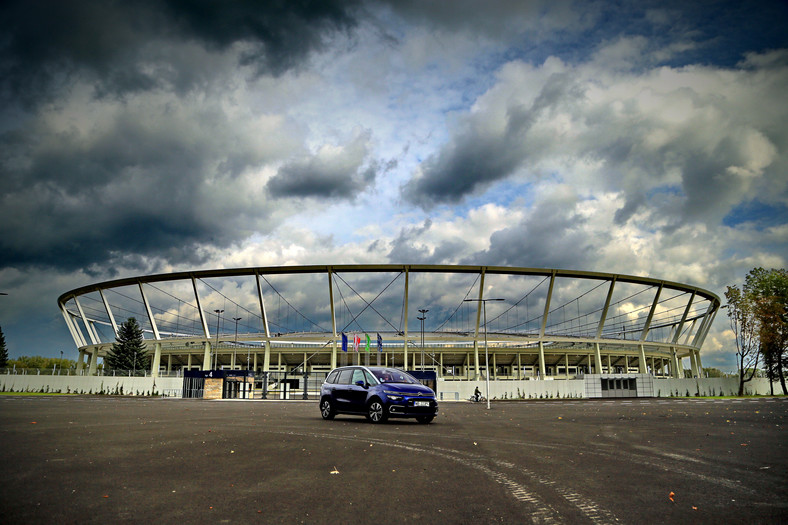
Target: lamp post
(422,318)
(236,319)
(486,353)
(216,350)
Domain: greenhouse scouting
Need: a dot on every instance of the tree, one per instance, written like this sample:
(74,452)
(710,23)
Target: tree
(3,351)
(713,372)
(769,290)
(745,329)
(128,353)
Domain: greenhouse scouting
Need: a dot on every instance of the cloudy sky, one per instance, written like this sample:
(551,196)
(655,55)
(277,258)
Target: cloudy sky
(647,138)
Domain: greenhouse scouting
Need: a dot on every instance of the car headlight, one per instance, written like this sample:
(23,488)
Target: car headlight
(394,396)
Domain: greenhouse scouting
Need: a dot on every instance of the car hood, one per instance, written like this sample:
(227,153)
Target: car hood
(413,390)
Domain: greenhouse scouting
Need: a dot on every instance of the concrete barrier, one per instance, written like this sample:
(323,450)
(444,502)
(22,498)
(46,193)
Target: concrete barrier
(111,385)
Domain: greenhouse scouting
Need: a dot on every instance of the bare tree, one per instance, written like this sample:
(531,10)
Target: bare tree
(745,327)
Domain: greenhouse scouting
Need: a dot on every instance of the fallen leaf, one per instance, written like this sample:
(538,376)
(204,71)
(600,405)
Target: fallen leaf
(694,507)
(335,471)
(671,496)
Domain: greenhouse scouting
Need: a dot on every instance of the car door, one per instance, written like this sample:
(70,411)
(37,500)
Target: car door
(357,394)
(341,391)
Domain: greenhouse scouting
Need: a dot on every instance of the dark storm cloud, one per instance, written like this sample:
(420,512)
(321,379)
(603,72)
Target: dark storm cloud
(127,47)
(143,183)
(480,154)
(136,165)
(327,174)
(552,235)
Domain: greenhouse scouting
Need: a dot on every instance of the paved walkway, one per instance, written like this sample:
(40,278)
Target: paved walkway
(104,460)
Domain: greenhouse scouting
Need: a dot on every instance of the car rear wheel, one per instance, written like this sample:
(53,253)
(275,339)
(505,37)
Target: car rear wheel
(327,409)
(377,412)
(425,419)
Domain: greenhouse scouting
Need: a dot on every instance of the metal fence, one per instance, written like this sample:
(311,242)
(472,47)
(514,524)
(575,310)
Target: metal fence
(284,385)
(101,372)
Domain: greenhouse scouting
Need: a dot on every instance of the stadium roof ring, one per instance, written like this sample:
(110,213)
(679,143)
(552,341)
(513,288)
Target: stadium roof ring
(532,322)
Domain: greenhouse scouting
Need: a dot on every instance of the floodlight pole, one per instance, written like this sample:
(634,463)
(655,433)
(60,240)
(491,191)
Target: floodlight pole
(215,351)
(486,353)
(422,318)
(236,319)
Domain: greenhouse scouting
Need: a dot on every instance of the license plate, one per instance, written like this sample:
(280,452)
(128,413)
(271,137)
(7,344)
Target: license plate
(421,403)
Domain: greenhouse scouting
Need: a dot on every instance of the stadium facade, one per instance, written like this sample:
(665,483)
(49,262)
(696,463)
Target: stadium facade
(457,321)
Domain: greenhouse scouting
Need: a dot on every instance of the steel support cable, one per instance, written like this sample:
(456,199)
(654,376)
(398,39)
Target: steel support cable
(459,305)
(139,315)
(178,315)
(571,301)
(523,298)
(251,313)
(132,299)
(296,310)
(369,304)
(347,308)
(462,302)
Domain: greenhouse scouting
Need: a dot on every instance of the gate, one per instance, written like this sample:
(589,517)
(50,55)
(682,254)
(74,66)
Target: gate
(289,386)
(619,387)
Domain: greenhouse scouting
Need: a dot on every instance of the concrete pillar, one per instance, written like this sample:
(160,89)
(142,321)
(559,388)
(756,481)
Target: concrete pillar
(333,354)
(476,359)
(642,360)
(267,357)
(156,361)
(93,362)
(597,359)
(206,359)
(566,365)
(542,369)
(169,364)
(694,364)
(81,361)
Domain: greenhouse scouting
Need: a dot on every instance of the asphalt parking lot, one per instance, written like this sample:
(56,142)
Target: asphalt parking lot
(84,459)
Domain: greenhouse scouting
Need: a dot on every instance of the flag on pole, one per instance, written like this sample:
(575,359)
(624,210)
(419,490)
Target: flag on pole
(380,343)
(356,342)
(344,342)
(366,348)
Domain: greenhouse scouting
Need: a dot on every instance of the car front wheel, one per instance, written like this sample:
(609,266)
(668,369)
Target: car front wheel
(377,412)
(327,409)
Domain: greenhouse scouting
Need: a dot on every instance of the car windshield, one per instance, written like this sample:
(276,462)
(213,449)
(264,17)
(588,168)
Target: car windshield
(392,375)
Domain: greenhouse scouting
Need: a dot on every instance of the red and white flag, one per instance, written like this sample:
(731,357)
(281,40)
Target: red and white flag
(356,342)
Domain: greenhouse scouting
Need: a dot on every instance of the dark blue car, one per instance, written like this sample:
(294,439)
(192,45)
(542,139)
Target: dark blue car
(376,392)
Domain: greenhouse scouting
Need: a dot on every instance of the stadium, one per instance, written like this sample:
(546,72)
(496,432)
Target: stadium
(455,322)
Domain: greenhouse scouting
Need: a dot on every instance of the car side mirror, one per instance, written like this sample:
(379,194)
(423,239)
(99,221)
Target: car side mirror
(361,384)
